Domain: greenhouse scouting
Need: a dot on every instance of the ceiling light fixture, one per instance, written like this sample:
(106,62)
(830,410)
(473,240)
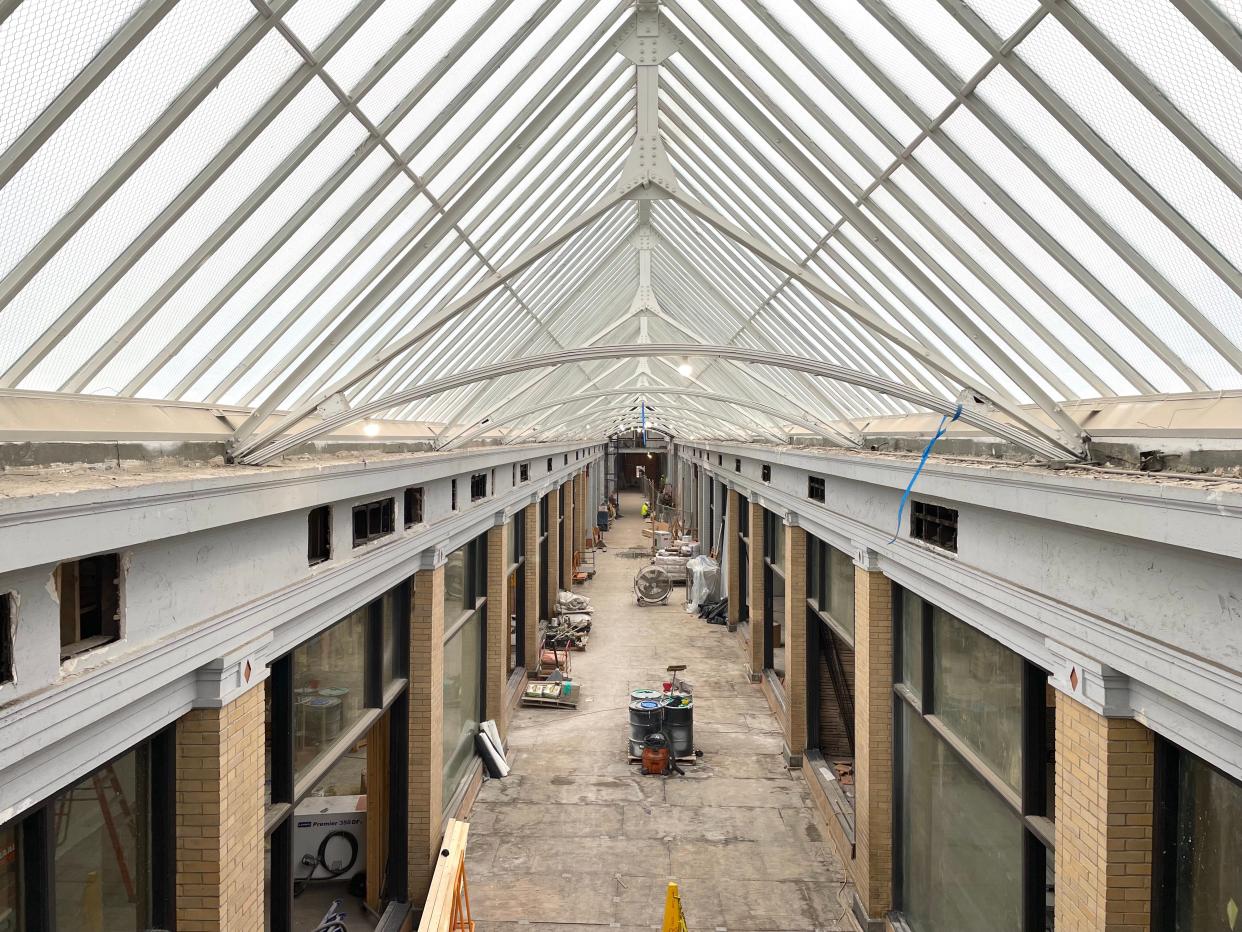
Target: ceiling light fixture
(370,428)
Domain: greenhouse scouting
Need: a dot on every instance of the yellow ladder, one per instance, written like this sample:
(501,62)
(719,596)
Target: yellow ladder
(674,918)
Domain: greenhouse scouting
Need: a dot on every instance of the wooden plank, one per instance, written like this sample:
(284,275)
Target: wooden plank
(378,800)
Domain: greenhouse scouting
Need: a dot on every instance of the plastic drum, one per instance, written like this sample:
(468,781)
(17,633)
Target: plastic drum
(322,715)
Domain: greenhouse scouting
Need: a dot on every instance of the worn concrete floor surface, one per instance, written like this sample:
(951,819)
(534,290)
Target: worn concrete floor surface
(577,839)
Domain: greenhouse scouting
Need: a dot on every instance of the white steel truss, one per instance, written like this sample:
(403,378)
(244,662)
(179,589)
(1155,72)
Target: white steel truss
(748,215)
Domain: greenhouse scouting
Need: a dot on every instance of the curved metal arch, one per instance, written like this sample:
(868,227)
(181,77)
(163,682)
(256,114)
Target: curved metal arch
(698,419)
(490,424)
(262,452)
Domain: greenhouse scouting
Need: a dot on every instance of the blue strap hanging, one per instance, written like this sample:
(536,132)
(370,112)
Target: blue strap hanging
(940,432)
(642,413)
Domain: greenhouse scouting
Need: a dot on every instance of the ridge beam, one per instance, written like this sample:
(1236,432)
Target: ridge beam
(648,173)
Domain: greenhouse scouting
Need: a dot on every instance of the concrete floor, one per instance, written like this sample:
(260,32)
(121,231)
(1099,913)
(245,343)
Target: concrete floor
(576,838)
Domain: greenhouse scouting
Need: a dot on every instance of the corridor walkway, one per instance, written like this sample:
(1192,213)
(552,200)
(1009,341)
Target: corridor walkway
(576,838)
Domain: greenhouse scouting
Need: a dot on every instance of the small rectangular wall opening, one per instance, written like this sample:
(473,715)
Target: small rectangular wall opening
(934,524)
(90,603)
(373,520)
(7,610)
(413,507)
(319,535)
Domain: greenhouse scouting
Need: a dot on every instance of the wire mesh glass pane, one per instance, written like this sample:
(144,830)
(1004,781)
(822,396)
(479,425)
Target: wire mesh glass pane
(1178,59)
(1136,135)
(44,44)
(1173,259)
(139,202)
(112,118)
(1004,16)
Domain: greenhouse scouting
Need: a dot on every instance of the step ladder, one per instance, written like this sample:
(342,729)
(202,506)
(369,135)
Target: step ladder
(101,783)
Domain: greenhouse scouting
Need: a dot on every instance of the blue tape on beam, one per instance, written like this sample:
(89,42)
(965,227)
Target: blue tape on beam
(940,432)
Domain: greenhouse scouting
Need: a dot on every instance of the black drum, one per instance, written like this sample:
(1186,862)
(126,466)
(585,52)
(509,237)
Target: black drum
(679,724)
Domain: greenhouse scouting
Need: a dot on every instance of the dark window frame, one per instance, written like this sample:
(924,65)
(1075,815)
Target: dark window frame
(319,535)
(1029,804)
(934,524)
(379,698)
(380,520)
(524,472)
(8,618)
(36,839)
(107,602)
(1167,797)
(414,504)
(816,489)
(478,486)
(765,472)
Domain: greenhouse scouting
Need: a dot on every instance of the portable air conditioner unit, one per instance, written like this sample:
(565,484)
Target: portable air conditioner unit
(322,829)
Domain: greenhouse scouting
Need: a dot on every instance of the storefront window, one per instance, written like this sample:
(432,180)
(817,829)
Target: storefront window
(390,668)
(333,754)
(979,693)
(455,586)
(912,642)
(328,695)
(102,855)
(463,700)
(10,882)
(1206,848)
(840,590)
(973,837)
(961,846)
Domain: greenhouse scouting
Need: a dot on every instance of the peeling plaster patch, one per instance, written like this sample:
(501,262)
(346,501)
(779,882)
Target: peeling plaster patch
(53,587)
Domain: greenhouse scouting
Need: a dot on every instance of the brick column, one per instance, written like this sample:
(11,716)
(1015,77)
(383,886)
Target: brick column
(1104,797)
(795,644)
(567,556)
(533,569)
(426,772)
(733,582)
(553,569)
(756,589)
(219,849)
(873,738)
(497,628)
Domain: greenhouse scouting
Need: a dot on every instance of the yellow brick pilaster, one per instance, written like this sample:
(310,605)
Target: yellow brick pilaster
(795,644)
(756,588)
(497,629)
(426,754)
(1105,769)
(219,811)
(873,740)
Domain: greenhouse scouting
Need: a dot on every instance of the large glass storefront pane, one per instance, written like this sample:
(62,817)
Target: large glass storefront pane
(389,666)
(1208,845)
(10,885)
(463,699)
(979,694)
(328,694)
(778,630)
(961,846)
(841,590)
(454,586)
(912,642)
(102,856)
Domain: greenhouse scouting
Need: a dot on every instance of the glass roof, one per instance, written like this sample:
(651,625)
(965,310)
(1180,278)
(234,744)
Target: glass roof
(467,213)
